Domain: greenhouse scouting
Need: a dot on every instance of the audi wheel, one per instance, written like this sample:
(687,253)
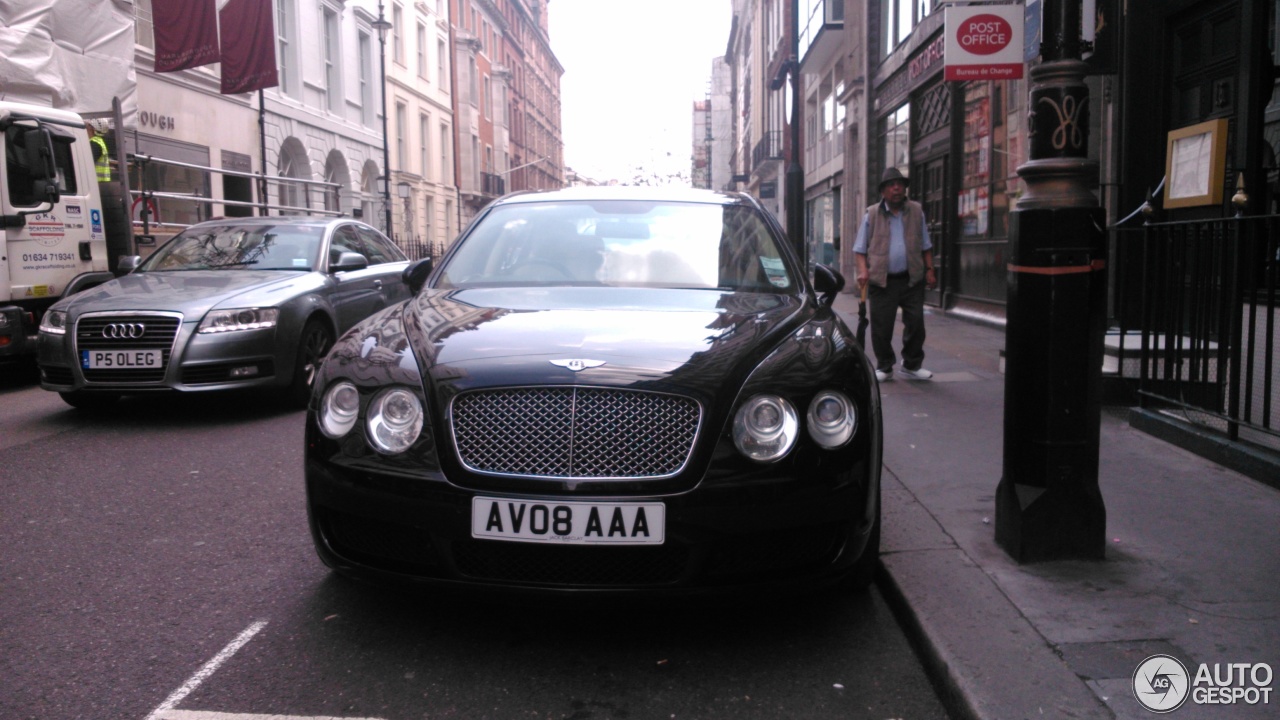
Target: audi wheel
(313,345)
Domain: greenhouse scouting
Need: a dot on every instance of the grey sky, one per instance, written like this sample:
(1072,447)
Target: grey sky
(632,71)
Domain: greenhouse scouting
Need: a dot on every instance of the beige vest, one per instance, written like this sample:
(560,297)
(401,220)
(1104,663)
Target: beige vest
(878,242)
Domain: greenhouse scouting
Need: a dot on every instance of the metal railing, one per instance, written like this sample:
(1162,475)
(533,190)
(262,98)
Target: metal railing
(1197,305)
(416,248)
(769,148)
(148,196)
(493,184)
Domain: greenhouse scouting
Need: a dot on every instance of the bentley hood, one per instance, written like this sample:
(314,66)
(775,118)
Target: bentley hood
(607,336)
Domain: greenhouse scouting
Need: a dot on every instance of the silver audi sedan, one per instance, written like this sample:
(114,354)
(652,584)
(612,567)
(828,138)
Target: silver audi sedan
(226,304)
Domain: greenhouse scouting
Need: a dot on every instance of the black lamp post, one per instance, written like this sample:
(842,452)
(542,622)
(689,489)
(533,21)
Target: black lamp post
(794,178)
(1048,503)
(382,25)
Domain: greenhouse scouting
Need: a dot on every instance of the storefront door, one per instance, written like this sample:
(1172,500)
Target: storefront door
(931,192)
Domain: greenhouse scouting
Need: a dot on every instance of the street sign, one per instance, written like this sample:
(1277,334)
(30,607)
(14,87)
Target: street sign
(984,42)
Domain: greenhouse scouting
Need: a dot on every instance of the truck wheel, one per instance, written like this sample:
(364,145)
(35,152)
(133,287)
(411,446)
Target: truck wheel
(89,401)
(313,345)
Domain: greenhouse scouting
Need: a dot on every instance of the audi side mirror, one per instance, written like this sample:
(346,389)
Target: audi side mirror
(127,264)
(349,261)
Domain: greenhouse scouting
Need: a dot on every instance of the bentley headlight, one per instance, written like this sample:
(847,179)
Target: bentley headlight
(338,410)
(832,419)
(395,420)
(765,428)
(54,322)
(218,321)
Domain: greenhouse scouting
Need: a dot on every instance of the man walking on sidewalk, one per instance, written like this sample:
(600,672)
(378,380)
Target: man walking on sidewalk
(895,257)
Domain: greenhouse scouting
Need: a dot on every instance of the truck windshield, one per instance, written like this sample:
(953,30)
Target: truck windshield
(231,247)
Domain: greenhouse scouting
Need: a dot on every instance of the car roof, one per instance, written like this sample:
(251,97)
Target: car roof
(624,192)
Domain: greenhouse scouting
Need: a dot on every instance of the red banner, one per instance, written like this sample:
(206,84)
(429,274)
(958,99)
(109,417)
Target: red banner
(186,33)
(248,46)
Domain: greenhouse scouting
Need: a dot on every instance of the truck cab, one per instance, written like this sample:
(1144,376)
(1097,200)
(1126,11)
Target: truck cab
(53,236)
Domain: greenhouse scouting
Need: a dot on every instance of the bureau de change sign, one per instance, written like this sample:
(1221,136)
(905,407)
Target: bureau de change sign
(984,42)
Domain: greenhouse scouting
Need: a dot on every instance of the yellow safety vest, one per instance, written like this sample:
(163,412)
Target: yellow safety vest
(102,163)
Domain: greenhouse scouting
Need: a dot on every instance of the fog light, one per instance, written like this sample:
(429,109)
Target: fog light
(244,372)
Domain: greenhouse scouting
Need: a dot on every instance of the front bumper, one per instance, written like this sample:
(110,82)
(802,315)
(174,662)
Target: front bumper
(787,534)
(194,363)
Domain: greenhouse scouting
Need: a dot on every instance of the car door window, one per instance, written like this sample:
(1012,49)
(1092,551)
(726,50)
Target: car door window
(345,239)
(381,250)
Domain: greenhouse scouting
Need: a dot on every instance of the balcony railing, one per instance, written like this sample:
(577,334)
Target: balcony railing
(769,148)
(492,184)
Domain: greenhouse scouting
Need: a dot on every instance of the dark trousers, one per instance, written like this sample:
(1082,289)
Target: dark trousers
(884,303)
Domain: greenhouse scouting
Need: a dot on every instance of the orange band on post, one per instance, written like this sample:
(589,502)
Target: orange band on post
(1063,270)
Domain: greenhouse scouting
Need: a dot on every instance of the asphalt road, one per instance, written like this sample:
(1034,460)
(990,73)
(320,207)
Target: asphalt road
(156,565)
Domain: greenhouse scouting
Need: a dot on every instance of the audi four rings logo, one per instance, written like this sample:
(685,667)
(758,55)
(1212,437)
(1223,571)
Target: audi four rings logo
(124,331)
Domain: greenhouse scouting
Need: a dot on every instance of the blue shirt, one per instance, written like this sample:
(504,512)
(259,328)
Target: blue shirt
(897,239)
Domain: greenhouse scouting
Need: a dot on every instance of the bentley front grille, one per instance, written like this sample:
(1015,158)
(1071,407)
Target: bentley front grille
(574,432)
(126,332)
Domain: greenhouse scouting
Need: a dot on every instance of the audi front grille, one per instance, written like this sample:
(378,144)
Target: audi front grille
(134,331)
(574,432)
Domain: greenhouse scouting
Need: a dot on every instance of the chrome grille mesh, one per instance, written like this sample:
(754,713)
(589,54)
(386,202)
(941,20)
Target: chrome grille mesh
(574,432)
(159,334)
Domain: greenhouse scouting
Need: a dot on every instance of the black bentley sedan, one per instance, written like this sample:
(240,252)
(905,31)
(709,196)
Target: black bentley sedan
(618,390)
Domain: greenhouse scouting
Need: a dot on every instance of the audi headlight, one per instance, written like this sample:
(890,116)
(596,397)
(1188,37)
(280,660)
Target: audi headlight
(765,428)
(338,410)
(395,420)
(218,321)
(54,322)
(832,419)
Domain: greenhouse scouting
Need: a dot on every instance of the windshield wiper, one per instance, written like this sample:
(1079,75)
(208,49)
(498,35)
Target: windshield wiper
(233,264)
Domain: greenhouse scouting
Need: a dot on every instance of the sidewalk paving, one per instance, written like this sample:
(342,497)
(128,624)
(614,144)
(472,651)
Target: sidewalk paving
(1192,568)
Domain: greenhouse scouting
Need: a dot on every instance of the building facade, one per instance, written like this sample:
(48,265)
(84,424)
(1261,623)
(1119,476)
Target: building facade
(458,74)
(506,101)
(826,64)
(537,145)
(420,125)
(758,54)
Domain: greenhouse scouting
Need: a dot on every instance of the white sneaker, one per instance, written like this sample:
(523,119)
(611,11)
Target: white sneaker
(917,374)
(883,376)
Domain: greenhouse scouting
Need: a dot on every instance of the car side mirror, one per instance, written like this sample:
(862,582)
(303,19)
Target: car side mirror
(415,276)
(128,263)
(827,281)
(349,261)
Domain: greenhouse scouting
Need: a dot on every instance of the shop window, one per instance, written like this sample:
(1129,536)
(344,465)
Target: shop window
(895,142)
(991,149)
(160,177)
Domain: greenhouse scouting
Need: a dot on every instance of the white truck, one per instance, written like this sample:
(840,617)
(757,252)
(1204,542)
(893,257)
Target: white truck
(61,230)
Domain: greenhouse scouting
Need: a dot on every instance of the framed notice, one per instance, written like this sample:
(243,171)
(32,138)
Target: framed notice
(1195,165)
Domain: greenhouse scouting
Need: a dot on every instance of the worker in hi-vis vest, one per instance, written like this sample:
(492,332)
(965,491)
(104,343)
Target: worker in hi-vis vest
(101,158)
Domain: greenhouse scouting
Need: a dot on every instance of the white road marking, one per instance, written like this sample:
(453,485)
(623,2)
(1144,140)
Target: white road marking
(201,715)
(208,669)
